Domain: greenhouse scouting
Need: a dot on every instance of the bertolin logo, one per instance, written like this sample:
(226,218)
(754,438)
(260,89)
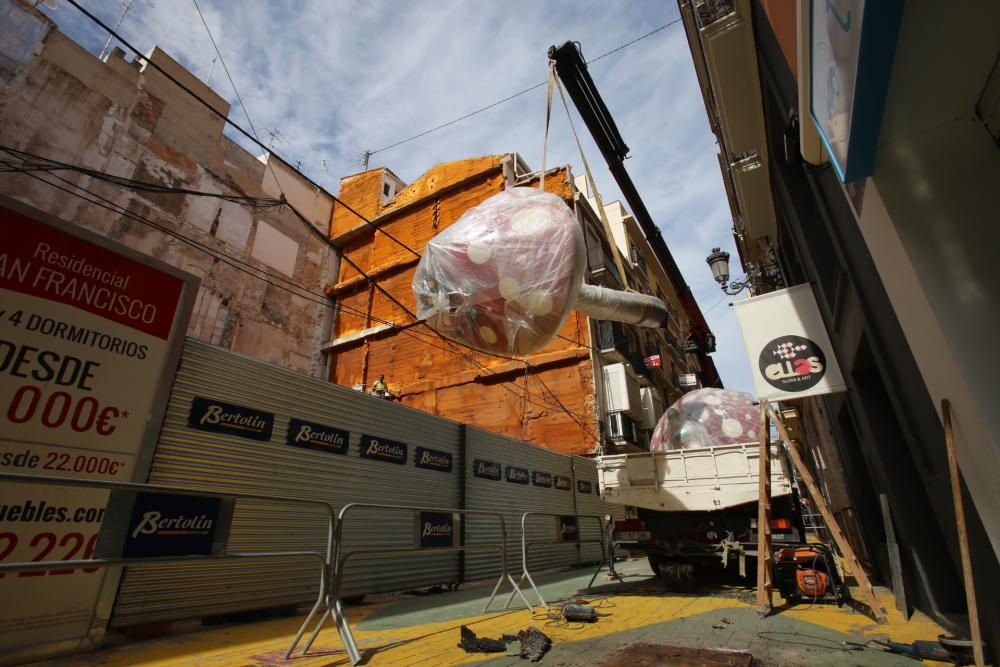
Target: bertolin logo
(562,483)
(433,459)
(542,479)
(382,449)
(221,417)
(792,363)
(317,436)
(153,523)
(486,469)
(441,530)
(517,475)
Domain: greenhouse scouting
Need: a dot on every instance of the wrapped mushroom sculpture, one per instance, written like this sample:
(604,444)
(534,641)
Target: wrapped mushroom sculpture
(505,276)
(707,418)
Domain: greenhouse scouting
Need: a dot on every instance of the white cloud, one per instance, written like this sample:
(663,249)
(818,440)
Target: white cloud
(337,78)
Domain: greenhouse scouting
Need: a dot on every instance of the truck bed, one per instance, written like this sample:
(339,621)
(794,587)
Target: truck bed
(704,479)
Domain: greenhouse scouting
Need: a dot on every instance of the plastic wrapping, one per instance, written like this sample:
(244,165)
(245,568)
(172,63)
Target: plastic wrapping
(707,418)
(503,278)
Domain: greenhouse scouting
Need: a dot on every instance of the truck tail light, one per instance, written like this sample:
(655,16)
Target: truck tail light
(629,524)
(781,524)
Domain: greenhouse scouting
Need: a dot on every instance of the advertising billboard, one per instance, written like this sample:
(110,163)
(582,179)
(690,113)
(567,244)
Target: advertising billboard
(90,336)
(787,345)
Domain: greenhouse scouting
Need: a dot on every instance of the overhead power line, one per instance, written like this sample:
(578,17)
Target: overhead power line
(260,274)
(226,119)
(312,229)
(368,154)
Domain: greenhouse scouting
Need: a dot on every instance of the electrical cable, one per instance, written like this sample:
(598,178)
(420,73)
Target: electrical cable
(261,273)
(305,220)
(223,116)
(50,166)
(515,95)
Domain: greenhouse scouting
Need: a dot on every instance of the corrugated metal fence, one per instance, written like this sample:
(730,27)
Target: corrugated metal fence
(459,466)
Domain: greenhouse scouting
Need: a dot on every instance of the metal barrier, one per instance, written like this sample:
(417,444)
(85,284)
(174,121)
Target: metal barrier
(324,559)
(525,546)
(334,608)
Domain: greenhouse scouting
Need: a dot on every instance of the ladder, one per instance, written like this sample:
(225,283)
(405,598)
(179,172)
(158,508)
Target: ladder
(764,547)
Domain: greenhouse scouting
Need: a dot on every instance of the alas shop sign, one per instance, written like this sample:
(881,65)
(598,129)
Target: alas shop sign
(787,345)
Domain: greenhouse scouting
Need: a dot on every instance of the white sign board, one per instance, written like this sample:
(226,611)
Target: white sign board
(89,338)
(787,345)
(688,379)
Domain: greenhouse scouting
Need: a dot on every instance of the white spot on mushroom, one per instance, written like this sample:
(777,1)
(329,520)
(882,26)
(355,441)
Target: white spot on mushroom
(538,304)
(529,220)
(488,334)
(509,288)
(479,253)
(731,428)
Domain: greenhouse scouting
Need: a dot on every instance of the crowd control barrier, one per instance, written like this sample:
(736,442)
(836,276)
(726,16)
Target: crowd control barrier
(429,538)
(560,539)
(323,558)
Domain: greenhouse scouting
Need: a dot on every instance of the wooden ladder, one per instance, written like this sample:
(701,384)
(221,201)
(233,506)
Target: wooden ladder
(765,550)
(768,413)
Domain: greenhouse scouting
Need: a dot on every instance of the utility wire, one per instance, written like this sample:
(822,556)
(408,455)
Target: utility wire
(298,214)
(264,275)
(224,117)
(515,95)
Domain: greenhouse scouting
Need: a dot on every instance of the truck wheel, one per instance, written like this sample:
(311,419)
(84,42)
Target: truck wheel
(655,560)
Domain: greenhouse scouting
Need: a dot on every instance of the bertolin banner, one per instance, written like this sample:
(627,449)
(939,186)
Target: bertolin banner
(787,345)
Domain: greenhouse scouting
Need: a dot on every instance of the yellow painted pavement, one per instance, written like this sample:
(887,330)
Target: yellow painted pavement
(264,643)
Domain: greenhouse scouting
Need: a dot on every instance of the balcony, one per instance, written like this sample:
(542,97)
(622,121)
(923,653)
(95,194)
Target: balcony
(603,269)
(710,11)
(613,342)
(727,37)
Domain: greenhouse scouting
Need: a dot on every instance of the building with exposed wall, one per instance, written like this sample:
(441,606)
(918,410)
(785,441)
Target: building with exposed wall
(261,268)
(560,398)
(899,252)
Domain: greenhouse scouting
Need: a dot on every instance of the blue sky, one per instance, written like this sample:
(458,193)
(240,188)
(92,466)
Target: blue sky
(336,78)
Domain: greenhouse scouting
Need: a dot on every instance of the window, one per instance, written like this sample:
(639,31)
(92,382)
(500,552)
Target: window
(386,188)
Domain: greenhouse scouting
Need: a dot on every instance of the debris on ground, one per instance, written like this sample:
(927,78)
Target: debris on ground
(653,655)
(472,644)
(578,612)
(926,650)
(531,643)
(534,643)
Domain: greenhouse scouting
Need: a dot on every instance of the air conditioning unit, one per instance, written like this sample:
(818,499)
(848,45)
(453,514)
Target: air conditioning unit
(621,427)
(621,391)
(652,407)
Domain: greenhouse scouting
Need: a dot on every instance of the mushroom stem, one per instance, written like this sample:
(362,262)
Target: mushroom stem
(602,303)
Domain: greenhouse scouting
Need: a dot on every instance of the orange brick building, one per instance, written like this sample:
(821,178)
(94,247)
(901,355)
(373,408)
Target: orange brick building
(555,400)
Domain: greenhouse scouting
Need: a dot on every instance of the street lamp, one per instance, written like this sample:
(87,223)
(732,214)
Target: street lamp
(718,261)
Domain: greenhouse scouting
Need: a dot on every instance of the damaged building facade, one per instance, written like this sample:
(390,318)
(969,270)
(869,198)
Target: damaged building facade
(117,146)
(261,269)
(596,385)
